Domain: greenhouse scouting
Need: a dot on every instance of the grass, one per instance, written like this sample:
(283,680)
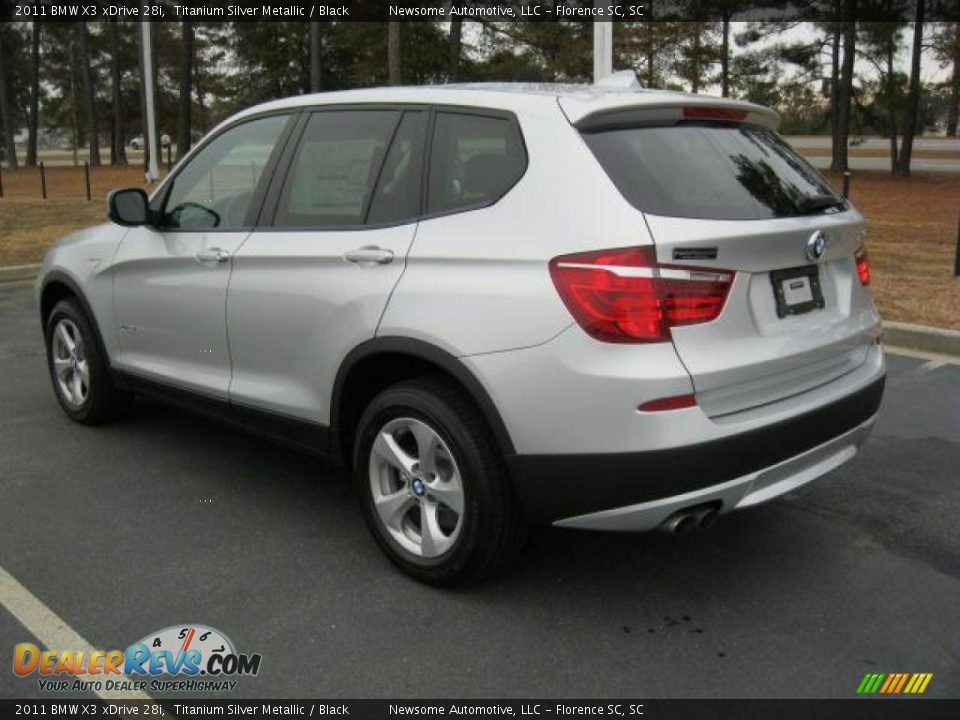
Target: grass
(912,226)
(29,224)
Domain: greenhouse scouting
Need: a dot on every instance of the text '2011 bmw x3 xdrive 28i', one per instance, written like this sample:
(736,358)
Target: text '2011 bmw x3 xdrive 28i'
(599,308)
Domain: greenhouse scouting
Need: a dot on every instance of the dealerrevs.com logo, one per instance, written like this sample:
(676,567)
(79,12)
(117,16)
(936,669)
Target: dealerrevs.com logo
(200,657)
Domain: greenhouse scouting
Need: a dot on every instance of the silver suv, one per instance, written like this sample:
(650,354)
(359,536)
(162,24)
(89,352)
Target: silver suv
(597,308)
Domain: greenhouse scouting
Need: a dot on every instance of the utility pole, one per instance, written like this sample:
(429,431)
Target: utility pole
(602,46)
(153,173)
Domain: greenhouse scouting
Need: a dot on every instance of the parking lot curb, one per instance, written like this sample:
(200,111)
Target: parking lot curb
(18,273)
(922,337)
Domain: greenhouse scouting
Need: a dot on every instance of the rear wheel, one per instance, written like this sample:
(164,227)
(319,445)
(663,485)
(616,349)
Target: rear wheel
(432,484)
(77,367)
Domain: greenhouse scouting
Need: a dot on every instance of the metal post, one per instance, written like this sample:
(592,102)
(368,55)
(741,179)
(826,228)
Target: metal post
(169,156)
(86,176)
(602,46)
(956,260)
(1,182)
(846,184)
(153,173)
(43,181)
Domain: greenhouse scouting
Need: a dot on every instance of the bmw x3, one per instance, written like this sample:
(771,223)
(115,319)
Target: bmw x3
(496,305)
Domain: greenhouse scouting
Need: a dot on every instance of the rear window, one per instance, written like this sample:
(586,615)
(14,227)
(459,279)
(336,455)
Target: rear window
(716,171)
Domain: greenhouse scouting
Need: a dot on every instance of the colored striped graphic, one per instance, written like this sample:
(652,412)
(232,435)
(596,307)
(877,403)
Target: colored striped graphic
(894,683)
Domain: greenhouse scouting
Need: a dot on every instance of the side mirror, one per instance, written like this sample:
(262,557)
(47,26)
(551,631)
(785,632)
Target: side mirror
(128,207)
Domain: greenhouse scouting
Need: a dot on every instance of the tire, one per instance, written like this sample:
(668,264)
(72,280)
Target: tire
(462,544)
(94,399)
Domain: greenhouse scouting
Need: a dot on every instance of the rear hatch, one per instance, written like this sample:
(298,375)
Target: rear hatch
(719,189)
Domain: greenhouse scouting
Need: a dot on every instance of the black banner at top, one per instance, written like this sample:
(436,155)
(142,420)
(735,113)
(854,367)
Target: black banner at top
(477,10)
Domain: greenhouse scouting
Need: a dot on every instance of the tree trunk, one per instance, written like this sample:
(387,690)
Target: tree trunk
(186,77)
(394,71)
(835,94)
(695,61)
(913,97)
(891,109)
(89,106)
(316,48)
(34,119)
(954,110)
(201,105)
(725,60)
(6,119)
(456,42)
(118,153)
(75,113)
(143,97)
(845,95)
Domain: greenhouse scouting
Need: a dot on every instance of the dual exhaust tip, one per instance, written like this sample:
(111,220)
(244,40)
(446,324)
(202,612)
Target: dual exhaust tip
(695,518)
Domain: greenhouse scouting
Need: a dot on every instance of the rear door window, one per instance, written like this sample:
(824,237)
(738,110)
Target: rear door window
(336,168)
(720,171)
(396,198)
(474,161)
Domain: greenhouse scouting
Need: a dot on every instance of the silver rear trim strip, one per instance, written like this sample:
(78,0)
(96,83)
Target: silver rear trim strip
(647,272)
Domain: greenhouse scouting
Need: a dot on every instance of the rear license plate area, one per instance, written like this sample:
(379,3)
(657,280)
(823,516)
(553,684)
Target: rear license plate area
(797,290)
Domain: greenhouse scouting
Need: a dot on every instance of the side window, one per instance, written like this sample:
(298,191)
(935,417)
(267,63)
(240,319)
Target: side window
(397,196)
(336,168)
(474,160)
(215,188)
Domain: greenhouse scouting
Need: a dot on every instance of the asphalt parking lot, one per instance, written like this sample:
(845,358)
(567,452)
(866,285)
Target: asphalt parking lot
(165,519)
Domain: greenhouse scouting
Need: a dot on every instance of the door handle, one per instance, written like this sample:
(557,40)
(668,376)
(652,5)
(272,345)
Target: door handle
(213,254)
(369,256)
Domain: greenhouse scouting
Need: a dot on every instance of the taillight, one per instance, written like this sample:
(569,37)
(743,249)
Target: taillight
(625,296)
(863,266)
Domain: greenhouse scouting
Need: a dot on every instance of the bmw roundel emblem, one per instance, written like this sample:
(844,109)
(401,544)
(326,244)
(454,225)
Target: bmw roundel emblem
(816,244)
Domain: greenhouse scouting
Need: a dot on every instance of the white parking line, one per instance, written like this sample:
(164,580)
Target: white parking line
(51,630)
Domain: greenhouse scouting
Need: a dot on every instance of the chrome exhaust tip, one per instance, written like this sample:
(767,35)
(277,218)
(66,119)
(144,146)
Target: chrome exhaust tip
(679,523)
(706,517)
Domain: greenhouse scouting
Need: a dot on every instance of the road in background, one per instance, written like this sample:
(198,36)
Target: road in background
(165,519)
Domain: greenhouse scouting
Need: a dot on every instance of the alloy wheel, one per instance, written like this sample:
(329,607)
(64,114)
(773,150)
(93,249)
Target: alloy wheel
(70,363)
(417,487)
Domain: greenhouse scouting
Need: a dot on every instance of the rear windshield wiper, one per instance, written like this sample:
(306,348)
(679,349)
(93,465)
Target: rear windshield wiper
(815,203)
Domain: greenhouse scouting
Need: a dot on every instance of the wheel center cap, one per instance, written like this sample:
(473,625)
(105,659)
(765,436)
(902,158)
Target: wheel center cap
(418,487)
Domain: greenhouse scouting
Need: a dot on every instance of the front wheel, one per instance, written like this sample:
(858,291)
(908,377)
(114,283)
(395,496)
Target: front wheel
(77,367)
(432,484)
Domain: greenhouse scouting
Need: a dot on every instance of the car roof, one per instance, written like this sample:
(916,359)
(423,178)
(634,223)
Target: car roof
(578,101)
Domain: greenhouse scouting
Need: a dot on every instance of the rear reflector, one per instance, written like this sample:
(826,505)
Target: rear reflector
(863,266)
(674,402)
(714,113)
(625,296)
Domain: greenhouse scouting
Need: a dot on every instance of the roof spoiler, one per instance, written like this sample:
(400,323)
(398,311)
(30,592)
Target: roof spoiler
(621,80)
(654,114)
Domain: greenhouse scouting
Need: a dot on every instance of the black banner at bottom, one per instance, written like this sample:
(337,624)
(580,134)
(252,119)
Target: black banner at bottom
(854,709)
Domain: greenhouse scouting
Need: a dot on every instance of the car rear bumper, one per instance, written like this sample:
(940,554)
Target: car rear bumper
(638,491)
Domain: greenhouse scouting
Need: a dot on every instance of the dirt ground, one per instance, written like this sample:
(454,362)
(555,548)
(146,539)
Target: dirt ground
(912,240)
(29,225)
(913,227)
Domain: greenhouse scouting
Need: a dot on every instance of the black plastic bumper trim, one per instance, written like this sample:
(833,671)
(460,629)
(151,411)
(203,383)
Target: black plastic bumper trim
(551,487)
